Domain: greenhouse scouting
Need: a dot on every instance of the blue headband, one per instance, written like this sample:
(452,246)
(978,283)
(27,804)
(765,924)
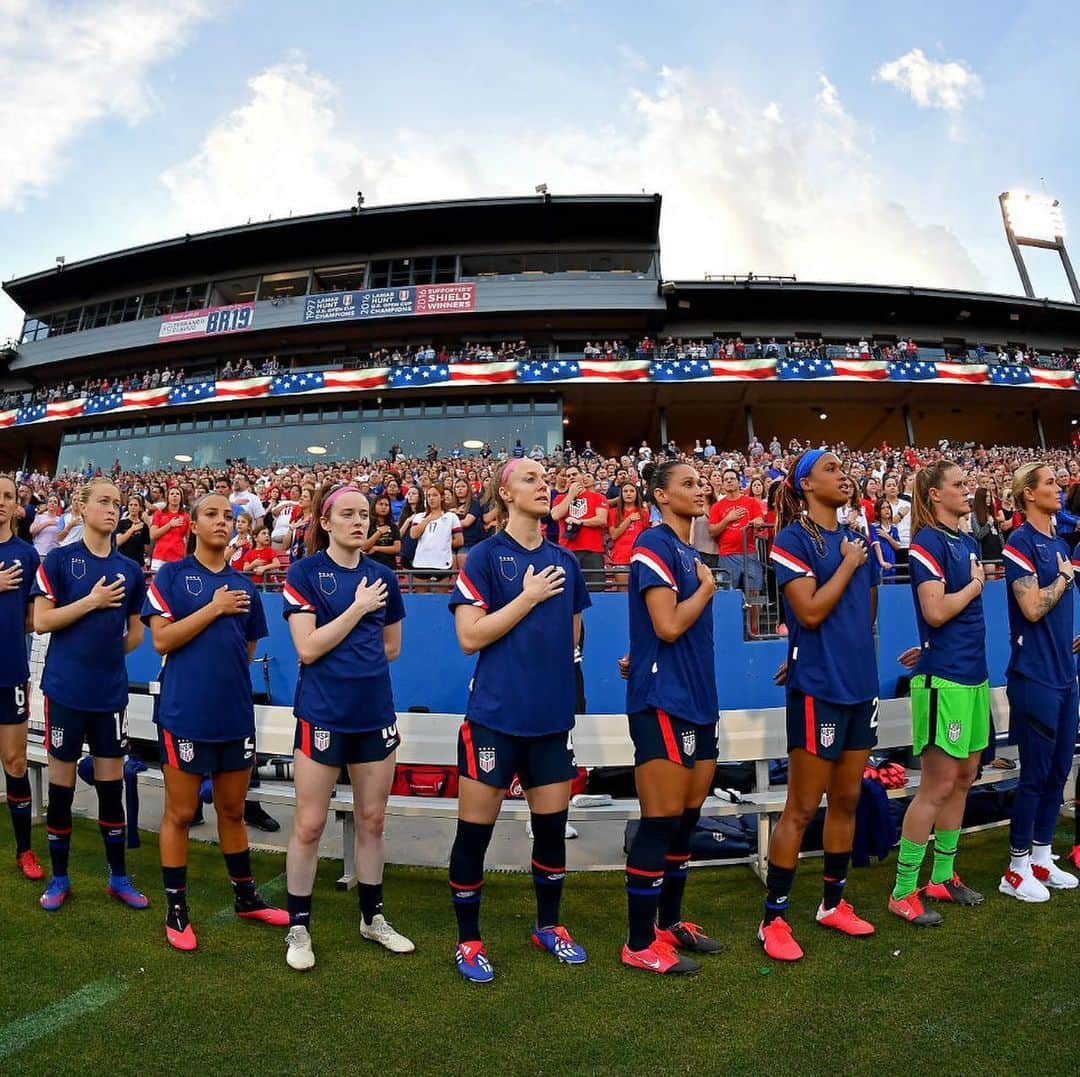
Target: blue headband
(804,467)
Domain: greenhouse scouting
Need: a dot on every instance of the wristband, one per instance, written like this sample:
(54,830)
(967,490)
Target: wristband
(1068,579)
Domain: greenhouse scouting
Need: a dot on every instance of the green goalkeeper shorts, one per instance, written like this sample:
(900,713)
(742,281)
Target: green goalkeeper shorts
(954,717)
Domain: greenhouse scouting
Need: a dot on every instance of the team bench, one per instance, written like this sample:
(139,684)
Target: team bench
(600,740)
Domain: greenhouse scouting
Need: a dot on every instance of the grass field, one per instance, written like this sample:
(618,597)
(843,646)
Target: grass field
(95,989)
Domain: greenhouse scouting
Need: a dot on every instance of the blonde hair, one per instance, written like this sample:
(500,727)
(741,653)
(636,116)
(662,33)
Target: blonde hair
(1025,477)
(82,493)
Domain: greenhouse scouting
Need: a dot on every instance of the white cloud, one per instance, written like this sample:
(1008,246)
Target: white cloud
(804,196)
(63,67)
(946,85)
(772,112)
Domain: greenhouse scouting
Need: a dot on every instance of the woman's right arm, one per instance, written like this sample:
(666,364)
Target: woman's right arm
(477,628)
(40,523)
(812,604)
(168,636)
(156,532)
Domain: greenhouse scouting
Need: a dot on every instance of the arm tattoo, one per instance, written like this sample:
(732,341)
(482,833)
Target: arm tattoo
(1047,598)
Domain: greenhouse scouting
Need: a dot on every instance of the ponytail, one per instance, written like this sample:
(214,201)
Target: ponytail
(922,508)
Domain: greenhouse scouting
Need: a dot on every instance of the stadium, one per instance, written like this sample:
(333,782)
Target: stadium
(463,331)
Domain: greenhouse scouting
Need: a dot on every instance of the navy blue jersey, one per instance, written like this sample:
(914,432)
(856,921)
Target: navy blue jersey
(84,665)
(836,660)
(348,689)
(1040,650)
(678,677)
(957,649)
(524,683)
(14,668)
(205,686)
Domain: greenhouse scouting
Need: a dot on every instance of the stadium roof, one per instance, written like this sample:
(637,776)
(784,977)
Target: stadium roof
(323,238)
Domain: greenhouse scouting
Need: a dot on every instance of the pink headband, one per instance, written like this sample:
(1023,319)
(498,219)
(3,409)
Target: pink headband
(510,465)
(348,488)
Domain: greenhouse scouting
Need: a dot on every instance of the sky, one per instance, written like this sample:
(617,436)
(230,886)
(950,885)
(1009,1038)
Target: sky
(830,140)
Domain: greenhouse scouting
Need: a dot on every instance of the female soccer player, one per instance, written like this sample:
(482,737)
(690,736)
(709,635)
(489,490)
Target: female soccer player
(88,597)
(672,708)
(18,565)
(517,604)
(204,618)
(344,612)
(950,692)
(1040,682)
(830,594)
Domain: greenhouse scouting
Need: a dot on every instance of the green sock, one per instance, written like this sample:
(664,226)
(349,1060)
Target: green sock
(945,843)
(908,862)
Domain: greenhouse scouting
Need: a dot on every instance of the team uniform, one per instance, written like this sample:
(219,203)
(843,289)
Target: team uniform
(950,690)
(344,704)
(85,681)
(519,720)
(832,684)
(204,707)
(671,696)
(1042,692)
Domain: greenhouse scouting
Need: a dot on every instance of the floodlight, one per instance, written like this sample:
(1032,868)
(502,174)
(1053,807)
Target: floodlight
(1035,220)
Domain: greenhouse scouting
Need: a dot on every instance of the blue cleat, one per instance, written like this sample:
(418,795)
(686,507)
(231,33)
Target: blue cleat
(557,942)
(473,964)
(56,893)
(123,889)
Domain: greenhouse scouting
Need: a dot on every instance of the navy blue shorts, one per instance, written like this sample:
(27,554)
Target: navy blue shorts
(828,729)
(334,749)
(493,758)
(659,735)
(105,732)
(204,756)
(14,704)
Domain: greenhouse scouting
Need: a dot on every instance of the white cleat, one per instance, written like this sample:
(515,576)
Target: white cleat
(1051,876)
(1023,887)
(299,955)
(380,931)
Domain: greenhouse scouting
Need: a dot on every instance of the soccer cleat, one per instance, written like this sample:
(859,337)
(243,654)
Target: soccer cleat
(687,936)
(29,865)
(1023,887)
(954,890)
(842,917)
(56,893)
(179,933)
(778,941)
(257,909)
(257,816)
(659,958)
(558,943)
(911,909)
(1052,877)
(1074,856)
(299,955)
(472,962)
(570,832)
(123,889)
(380,931)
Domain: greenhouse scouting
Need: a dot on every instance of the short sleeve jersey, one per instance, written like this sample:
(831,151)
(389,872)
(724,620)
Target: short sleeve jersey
(84,665)
(347,690)
(14,668)
(955,650)
(205,686)
(835,661)
(730,541)
(524,683)
(678,677)
(584,507)
(1040,650)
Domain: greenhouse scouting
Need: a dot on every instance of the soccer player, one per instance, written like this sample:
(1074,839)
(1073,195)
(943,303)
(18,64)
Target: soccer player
(517,605)
(672,707)
(1040,682)
(204,619)
(18,564)
(830,592)
(344,612)
(88,597)
(950,692)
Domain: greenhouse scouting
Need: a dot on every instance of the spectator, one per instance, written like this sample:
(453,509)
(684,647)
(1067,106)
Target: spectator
(133,531)
(731,521)
(46,526)
(437,534)
(986,526)
(241,542)
(384,542)
(25,510)
(169,530)
(626,522)
(243,499)
(582,515)
(260,558)
(471,514)
(884,538)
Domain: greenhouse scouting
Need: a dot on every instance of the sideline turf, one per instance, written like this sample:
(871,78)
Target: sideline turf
(993,990)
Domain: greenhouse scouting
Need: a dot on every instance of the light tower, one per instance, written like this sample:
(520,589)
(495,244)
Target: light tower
(1035,220)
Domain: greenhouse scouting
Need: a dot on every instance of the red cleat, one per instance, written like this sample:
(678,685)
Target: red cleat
(659,958)
(265,914)
(29,865)
(843,918)
(1074,856)
(181,940)
(778,940)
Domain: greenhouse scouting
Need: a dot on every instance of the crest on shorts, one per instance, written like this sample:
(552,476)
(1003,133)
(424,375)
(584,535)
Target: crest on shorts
(56,736)
(193,585)
(328,582)
(486,758)
(689,742)
(187,750)
(321,737)
(78,568)
(508,567)
(828,735)
(953,732)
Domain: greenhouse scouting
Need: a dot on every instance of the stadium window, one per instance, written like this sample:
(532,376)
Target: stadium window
(540,262)
(284,285)
(574,262)
(225,293)
(348,278)
(455,409)
(478,265)
(400,270)
(445,269)
(202,424)
(187,425)
(116,312)
(72,320)
(519,407)
(412,411)
(423,270)
(350,412)
(237,420)
(380,273)
(292,415)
